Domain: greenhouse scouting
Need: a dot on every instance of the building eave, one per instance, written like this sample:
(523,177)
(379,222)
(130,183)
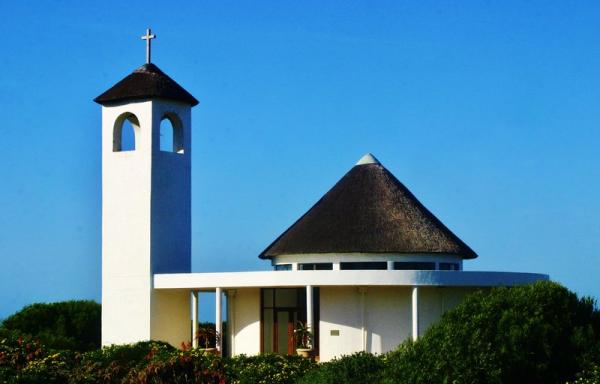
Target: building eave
(271,279)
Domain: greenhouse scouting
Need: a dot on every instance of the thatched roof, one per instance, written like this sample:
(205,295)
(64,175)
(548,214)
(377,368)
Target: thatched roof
(147,81)
(368,211)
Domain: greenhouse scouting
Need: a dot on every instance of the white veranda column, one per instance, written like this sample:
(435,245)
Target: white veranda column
(194,319)
(231,320)
(415,313)
(218,319)
(363,317)
(309,308)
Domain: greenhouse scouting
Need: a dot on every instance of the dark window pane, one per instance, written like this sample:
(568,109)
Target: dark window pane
(364,265)
(414,265)
(449,266)
(315,266)
(283,267)
(267,297)
(268,330)
(286,297)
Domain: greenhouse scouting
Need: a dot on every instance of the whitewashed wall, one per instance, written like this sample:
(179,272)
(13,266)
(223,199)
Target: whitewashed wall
(246,323)
(388,316)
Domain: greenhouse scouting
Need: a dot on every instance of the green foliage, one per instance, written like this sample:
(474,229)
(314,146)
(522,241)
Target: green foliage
(540,333)
(358,368)
(25,360)
(190,366)
(266,369)
(303,335)
(207,335)
(72,325)
(590,376)
(112,364)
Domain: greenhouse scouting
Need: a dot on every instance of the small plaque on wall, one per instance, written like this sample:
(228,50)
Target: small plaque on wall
(334,332)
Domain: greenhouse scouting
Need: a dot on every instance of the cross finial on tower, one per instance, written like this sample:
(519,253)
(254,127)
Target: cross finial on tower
(148,37)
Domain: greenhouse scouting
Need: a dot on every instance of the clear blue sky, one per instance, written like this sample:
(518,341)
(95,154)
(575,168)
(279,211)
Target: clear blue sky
(488,111)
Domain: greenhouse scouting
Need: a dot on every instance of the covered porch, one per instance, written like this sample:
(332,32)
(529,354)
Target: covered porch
(347,311)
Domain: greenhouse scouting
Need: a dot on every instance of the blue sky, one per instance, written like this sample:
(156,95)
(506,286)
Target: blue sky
(488,111)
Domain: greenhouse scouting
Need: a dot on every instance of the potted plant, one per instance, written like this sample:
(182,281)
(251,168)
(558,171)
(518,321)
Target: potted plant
(303,338)
(207,337)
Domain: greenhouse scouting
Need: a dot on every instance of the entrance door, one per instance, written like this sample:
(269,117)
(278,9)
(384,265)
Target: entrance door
(284,331)
(281,309)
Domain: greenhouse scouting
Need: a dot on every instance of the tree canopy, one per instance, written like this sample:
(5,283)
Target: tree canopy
(73,325)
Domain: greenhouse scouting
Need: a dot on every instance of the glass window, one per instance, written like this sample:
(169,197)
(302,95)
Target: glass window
(283,267)
(268,330)
(267,297)
(449,267)
(285,297)
(364,265)
(315,266)
(414,265)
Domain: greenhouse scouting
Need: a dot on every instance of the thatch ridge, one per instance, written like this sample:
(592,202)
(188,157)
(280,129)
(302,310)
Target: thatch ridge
(368,211)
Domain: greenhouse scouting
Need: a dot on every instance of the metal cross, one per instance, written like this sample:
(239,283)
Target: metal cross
(148,37)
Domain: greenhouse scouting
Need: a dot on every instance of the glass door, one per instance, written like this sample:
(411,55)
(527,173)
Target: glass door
(284,329)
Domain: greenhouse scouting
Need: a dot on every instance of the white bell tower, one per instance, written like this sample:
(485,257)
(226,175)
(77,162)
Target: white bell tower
(146,207)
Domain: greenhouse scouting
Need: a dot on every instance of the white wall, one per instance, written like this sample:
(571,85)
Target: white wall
(126,230)
(388,316)
(387,319)
(170,317)
(246,312)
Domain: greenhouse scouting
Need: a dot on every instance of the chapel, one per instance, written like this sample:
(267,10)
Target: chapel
(366,267)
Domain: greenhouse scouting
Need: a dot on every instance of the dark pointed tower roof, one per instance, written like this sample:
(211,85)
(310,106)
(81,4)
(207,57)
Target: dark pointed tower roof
(368,211)
(148,81)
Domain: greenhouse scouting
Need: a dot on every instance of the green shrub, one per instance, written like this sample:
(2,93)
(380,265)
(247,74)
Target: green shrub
(112,364)
(540,333)
(266,369)
(181,367)
(25,360)
(72,325)
(358,368)
(590,376)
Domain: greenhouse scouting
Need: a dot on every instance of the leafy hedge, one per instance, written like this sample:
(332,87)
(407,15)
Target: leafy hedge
(266,369)
(358,368)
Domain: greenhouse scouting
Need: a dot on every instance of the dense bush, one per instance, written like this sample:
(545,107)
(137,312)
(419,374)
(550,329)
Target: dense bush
(112,364)
(25,360)
(266,369)
(358,368)
(539,333)
(72,325)
(590,376)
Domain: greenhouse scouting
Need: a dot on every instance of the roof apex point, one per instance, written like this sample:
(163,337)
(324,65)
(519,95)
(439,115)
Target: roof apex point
(368,159)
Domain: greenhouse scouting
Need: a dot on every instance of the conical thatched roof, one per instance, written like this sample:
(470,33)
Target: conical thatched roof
(368,211)
(147,81)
